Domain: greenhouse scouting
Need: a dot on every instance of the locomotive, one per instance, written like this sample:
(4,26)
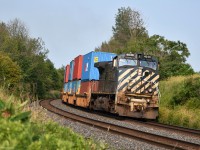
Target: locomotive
(127,86)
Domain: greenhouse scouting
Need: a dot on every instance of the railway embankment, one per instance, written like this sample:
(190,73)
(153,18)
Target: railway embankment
(180,101)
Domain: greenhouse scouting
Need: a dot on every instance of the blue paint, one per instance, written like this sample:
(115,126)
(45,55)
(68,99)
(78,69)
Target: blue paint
(89,72)
(71,70)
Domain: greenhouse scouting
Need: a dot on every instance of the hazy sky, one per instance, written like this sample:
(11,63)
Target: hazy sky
(70,28)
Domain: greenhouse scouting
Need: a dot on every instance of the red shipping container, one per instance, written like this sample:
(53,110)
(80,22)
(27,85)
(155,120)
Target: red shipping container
(78,61)
(67,69)
(89,85)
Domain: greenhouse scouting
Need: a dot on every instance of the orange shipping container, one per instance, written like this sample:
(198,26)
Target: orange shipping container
(78,61)
(67,73)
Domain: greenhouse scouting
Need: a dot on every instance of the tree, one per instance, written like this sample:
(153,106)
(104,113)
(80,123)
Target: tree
(38,74)
(10,73)
(128,25)
(130,35)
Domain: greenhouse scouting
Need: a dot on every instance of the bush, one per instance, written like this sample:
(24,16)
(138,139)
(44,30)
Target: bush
(190,91)
(10,72)
(15,135)
(180,101)
(17,132)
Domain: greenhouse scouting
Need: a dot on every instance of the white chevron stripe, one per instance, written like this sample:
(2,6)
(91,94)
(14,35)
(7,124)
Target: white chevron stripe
(136,86)
(122,75)
(127,80)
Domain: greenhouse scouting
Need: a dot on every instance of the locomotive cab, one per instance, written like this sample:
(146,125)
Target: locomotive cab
(137,85)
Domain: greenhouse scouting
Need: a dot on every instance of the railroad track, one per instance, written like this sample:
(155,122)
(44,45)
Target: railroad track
(176,129)
(158,140)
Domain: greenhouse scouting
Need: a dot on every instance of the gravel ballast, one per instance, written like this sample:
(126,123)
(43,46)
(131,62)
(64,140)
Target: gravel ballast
(133,125)
(114,141)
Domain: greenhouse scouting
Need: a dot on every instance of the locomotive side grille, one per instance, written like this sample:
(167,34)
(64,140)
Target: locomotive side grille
(138,84)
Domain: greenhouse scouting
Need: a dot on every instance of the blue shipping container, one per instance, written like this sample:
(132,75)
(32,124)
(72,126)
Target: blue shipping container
(76,86)
(71,70)
(65,87)
(69,87)
(89,72)
(73,86)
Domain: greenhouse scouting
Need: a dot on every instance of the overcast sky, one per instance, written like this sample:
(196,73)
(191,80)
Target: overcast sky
(70,28)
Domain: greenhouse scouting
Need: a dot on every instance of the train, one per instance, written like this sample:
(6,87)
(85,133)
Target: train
(125,84)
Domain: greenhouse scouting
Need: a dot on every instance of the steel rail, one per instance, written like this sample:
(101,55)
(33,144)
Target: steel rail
(126,132)
(182,130)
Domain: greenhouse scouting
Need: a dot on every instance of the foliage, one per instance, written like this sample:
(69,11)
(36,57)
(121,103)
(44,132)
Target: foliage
(17,132)
(180,116)
(189,93)
(128,25)
(11,109)
(10,72)
(172,56)
(37,73)
(16,135)
(180,102)
(130,35)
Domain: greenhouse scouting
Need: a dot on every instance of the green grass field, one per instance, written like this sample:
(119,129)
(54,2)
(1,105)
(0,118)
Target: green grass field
(180,101)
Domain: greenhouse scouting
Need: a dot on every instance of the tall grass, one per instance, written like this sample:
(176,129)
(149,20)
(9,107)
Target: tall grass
(35,133)
(180,101)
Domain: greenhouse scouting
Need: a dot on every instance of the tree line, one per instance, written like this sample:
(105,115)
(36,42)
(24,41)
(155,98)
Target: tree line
(130,35)
(24,66)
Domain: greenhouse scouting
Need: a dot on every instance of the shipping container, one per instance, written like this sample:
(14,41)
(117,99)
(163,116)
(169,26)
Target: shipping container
(87,86)
(76,84)
(71,70)
(89,72)
(65,87)
(73,87)
(69,89)
(67,70)
(78,61)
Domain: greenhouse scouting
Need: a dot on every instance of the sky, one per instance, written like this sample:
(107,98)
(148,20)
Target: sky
(75,27)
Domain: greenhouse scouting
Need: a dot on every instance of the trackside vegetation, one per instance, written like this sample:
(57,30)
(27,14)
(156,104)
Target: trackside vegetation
(180,101)
(26,75)
(180,88)
(20,131)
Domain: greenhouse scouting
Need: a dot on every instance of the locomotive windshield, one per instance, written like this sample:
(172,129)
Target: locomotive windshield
(140,60)
(127,62)
(149,64)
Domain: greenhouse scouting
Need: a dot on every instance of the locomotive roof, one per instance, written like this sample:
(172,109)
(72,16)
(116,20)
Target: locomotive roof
(137,56)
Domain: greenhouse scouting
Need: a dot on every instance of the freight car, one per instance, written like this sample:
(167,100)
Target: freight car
(125,84)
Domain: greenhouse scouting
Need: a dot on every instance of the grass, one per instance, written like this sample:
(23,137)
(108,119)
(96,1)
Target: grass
(19,130)
(180,101)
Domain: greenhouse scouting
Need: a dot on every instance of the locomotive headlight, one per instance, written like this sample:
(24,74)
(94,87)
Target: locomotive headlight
(128,88)
(150,90)
(139,72)
(148,101)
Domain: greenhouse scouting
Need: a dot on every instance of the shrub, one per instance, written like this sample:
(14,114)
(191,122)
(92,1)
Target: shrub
(10,72)
(189,90)
(17,132)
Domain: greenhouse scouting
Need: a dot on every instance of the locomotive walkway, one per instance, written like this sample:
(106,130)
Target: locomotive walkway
(154,139)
